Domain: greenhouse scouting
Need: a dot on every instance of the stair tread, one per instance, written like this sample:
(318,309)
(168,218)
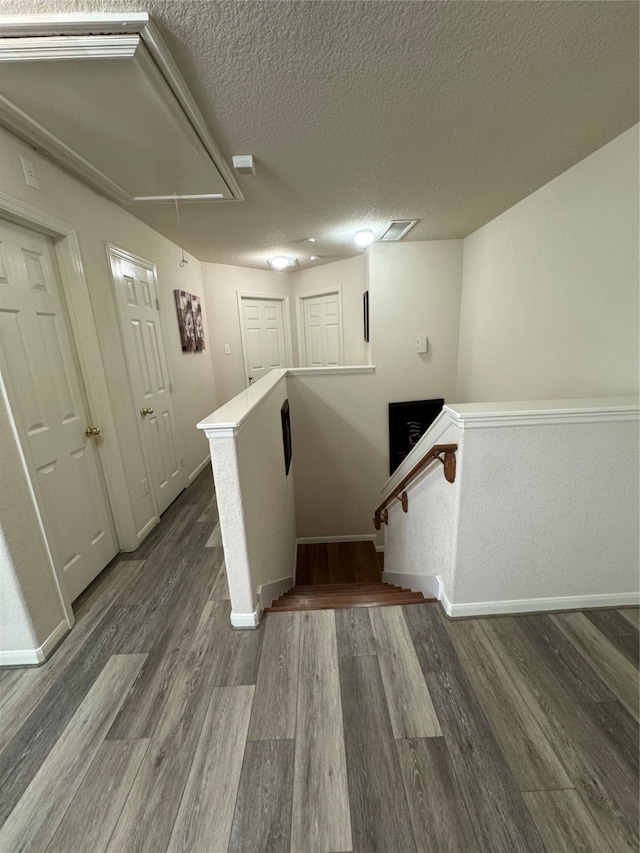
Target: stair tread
(337,597)
(340,604)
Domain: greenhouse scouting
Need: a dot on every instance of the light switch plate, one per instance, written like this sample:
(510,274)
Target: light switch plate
(30,173)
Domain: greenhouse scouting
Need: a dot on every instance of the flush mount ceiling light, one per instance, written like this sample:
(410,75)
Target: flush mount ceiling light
(280,262)
(364,237)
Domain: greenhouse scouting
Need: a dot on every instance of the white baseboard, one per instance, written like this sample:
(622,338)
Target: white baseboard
(534,605)
(268,592)
(428,585)
(146,530)
(246,620)
(34,657)
(318,540)
(199,469)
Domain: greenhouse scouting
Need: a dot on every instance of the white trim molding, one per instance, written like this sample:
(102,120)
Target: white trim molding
(199,469)
(319,540)
(246,621)
(543,412)
(268,592)
(332,371)
(537,605)
(35,657)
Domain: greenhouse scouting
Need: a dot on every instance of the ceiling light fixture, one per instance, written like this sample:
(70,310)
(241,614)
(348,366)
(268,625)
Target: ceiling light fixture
(280,262)
(314,258)
(364,237)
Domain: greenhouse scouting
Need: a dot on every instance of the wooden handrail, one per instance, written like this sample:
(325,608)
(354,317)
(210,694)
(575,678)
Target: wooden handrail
(445,453)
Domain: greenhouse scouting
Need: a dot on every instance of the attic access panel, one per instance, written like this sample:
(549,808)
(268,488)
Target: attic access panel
(408,422)
(103,106)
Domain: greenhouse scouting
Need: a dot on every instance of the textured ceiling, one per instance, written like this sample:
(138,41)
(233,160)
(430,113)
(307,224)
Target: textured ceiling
(362,112)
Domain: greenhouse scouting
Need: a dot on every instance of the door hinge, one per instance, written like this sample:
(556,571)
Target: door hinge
(157,304)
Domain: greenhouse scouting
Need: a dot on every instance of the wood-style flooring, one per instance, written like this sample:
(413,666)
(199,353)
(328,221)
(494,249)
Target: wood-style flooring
(156,727)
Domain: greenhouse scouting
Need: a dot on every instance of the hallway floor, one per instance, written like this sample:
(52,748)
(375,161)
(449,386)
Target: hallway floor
(156,727)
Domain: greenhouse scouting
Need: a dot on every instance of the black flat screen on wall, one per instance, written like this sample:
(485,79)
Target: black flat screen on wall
(408,422)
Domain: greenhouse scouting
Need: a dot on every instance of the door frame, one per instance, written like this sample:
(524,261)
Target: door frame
(114,255)
(75,293)
(286,318)
(309,294)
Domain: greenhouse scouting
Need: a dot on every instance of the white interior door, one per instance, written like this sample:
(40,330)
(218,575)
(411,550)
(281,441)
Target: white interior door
(139,308)
(322,327)
(264,335)
(42,376)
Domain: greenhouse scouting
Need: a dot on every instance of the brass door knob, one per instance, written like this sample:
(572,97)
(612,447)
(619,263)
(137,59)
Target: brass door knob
(90,431)
(146,411)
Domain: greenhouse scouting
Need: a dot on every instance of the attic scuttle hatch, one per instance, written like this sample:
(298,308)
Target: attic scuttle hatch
(101,95)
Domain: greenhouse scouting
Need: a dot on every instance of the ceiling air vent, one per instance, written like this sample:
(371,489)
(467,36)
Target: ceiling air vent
(396,230)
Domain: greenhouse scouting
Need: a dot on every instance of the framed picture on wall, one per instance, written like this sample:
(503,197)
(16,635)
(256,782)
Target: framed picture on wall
(190,321)
(365,311)
(286,435)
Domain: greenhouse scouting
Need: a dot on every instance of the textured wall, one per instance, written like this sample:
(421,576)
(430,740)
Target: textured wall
(550,288)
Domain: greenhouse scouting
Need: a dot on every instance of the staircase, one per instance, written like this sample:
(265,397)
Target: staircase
(335,596)
(338,575)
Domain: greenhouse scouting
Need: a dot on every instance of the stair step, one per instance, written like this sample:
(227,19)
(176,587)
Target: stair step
(341,587)
(337,603)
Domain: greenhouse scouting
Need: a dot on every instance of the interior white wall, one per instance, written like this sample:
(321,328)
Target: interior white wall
(339,450)
(222,283)
(349,275)
(547,513)
(550,288)
(96,221)
(414,289)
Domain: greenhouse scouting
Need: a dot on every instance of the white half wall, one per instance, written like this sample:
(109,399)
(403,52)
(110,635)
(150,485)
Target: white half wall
(543,515)
(256,498)
(550,288)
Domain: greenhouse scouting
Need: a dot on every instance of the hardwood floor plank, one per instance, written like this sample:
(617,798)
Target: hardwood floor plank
(410,707)
(204,820)
(94,811)
(430,639)
(147,819)
(618,631)
(605,782)
(215,540)
(33,741)
(531,759)
(32,823)
(354,632)
(262,820)
(620,676)
(220,588)
(438,814)
(31,685)
(566,663)
(320,819)
(276,697)
(141,711)
(496,808)
(564,821)
(380,817)
(632,615)
(619,727)
(241,658)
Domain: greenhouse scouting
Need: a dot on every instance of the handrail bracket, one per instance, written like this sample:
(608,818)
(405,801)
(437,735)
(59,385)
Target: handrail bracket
(448,459)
